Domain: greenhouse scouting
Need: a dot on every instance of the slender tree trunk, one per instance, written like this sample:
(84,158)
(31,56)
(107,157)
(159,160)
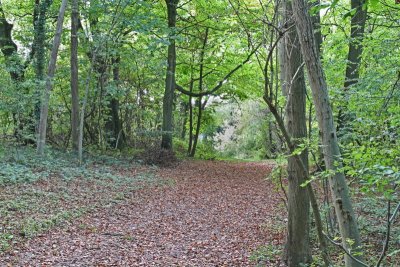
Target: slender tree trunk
(190,120)
(316,20)
(114,131)
(297,250)
(84,103)
(185,109)
(74,74)
(198,124)
(44,109)
(340,192)
(168,101)
(199,103)
(358,21)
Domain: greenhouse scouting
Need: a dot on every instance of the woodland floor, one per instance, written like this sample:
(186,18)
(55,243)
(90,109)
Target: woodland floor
(199,213)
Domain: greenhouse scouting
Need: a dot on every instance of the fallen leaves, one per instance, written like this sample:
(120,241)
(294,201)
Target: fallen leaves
(214,214)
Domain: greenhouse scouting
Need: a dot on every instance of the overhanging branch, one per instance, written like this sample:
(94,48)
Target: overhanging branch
(222,81)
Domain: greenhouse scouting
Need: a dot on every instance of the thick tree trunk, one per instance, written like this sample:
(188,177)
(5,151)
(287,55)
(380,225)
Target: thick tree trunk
(168,101)
(297,250)
(44,109)
(340,192)
(9,48)
(74,74)
(15,68)
(39,46)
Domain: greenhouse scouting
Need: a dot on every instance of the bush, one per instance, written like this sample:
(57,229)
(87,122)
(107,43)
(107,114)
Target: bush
(159,156)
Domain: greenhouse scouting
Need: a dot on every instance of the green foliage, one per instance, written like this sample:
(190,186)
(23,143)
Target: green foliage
(266,254)
(42,193)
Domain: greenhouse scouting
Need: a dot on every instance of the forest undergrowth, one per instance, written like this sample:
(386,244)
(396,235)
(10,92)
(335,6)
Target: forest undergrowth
(116,211)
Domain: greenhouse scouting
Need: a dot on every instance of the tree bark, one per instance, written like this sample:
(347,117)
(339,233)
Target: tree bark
(44,109)
(199,103)
(343,207)
(115,134)
(9,48)
(190,119)
(358,21)
(39,46)
(168,101)
(297,249)
(198,124)
(74,74)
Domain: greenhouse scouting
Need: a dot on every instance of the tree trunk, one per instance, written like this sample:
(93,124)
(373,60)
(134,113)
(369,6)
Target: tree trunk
(199,103)
(39,46)
(340,192)
(198,124)
(44,109)
(297,250)
(74,74)
(113,125)
(9,48)
(168,100)
(185,109)
(15,68)
(358,21)
(190,120)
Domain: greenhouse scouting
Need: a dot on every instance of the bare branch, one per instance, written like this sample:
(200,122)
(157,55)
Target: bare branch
(345,250)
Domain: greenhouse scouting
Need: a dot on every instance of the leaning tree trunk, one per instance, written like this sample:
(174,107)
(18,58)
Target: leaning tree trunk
(168,101)
(297,249)
(340,192)
(74,74)
(44,109)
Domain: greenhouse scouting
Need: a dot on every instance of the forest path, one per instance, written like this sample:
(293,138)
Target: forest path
(212,214)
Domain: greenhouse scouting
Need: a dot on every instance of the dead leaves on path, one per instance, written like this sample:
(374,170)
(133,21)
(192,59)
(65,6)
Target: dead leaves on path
(214,214)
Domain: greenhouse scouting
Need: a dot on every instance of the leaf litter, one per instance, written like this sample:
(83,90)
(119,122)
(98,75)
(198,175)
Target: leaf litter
(204,213)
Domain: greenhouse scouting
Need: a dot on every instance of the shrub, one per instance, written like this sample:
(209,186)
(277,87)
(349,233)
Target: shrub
(159,156)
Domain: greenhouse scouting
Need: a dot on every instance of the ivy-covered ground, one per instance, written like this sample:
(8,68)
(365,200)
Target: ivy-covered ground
(120,213)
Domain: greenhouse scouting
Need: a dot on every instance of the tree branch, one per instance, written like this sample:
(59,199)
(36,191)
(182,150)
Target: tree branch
(345,250)
(222,81)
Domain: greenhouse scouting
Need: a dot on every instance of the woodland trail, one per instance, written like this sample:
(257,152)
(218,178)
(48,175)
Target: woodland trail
(213,214)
